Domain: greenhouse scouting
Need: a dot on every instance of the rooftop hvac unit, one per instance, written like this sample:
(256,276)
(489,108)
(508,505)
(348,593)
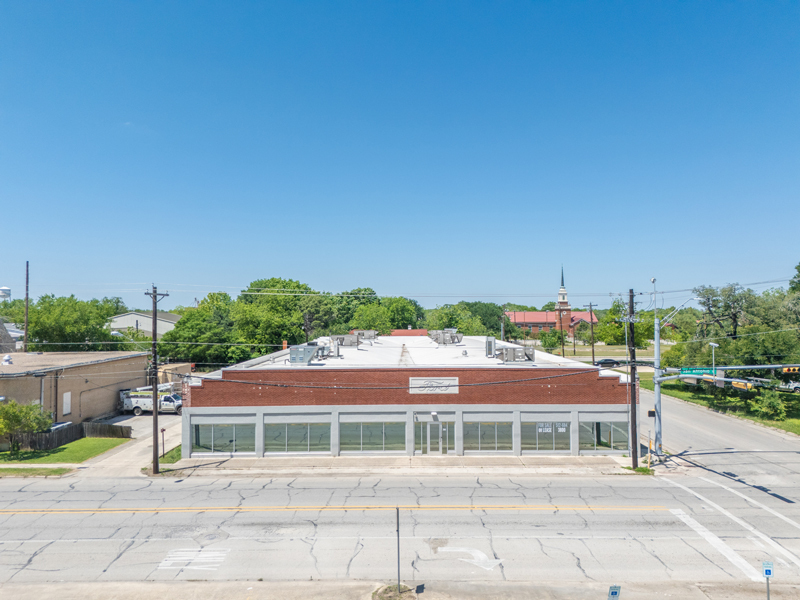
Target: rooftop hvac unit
(490,347)
(530,353)
(446,336)
(513,355)
(302,355)
(367,334)
(346,339)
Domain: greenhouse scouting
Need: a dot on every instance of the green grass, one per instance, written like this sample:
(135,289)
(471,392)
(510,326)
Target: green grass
(735,406)
(172,456)
(640,470)
(74,452)
(33,472)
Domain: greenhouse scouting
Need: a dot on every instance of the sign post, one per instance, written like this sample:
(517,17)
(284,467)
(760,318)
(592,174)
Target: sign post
(769,571)
(614,592)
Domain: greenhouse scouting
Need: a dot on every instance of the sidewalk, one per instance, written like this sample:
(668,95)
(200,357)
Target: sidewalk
(341,466)
(362,590)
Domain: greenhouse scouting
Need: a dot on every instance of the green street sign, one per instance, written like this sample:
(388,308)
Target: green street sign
(696,371)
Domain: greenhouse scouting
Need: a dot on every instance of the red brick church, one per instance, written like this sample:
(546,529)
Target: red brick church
(562,317)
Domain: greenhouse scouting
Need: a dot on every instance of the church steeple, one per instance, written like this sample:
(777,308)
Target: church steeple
(562,293)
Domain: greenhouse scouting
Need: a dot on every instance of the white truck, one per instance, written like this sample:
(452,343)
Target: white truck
(141,400)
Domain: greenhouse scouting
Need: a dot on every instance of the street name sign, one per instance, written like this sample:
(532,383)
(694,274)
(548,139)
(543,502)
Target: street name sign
(696,371)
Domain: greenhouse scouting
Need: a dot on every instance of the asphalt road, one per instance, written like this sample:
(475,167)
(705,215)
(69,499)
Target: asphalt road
(729,501)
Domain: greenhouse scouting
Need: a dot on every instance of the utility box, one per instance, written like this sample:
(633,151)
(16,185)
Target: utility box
(302,355)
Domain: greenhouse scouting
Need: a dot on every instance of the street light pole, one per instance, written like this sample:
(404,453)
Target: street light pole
(713,357)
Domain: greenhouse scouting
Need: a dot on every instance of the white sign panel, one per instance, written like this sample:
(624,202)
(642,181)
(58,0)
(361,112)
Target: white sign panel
(433,385)
(769,571)
(614,592)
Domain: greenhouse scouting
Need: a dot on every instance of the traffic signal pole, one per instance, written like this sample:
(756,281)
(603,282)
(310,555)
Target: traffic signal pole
(634,422)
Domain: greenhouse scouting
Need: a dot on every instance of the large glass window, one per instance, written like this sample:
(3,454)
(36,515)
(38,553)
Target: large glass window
(372,437)
(224,438)
(604,436)
(545,436)
(297,437)
(488,437)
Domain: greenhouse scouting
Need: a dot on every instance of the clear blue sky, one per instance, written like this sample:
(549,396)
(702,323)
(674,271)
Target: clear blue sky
(419,148)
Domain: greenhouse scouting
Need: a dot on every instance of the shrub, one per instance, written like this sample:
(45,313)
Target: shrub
(770,406)
(16,419)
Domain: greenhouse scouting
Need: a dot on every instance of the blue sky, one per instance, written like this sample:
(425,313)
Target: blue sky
(426,149)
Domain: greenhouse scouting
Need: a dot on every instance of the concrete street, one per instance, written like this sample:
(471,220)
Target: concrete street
(700,529)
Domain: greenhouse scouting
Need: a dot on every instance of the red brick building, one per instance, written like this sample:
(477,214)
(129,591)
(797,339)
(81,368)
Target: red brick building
(407,395)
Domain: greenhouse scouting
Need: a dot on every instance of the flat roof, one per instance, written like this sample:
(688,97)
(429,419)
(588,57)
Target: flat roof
(42,362)
(412,352)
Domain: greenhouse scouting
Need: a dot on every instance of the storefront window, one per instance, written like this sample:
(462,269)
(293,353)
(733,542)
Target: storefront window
(222,438)
(372,437)
(471,436)
(603,436)
(545,436)
(297,437)
(488,437)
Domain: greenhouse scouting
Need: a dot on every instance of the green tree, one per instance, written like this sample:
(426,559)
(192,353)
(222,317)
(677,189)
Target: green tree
(372,316)
(455,316)
(17,419)
(550,340)
(402,312)
(269,311)
(794,284)
(549,306)
(348,302)
(489,313)
(67,324)
(206,335)
(522,307)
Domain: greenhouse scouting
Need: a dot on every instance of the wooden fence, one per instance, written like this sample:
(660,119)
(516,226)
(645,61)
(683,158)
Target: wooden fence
(55,439)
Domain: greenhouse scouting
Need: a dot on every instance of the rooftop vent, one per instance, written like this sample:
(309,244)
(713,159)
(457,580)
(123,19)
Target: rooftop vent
(446,336)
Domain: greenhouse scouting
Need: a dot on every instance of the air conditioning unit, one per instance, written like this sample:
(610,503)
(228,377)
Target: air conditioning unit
(513,355)
(347,339)
(490,347)
(302,355)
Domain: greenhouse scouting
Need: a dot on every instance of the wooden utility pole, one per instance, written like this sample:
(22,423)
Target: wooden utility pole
(27,281)
(561,325)
(632,349)
(591,327)
(154,374)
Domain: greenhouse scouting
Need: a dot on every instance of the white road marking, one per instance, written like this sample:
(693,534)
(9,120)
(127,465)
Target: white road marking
(479,559)
(740,522)
(194,559)
(754,502)
(717,543)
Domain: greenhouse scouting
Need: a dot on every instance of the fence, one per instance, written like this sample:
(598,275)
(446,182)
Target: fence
(54,439)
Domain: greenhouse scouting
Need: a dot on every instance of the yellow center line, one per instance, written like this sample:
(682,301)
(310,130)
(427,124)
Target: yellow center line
(202,509)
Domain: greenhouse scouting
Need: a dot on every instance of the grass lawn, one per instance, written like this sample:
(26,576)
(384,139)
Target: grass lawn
(172,456)
(735,406)
(74,452)
(33,472)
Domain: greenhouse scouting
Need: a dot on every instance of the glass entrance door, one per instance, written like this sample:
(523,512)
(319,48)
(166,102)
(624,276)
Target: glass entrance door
(434,438)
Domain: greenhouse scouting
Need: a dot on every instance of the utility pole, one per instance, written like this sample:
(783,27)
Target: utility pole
(154,374)
(561,325)
(632,347)
(27,281)
(502,326)
(591,327)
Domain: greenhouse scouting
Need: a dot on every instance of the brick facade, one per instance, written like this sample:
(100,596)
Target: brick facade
(580,388)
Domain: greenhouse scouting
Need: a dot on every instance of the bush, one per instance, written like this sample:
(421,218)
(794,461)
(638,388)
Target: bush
(770,406)
(16,419)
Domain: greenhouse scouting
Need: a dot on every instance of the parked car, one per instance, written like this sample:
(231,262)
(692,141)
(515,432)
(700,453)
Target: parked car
(607,362)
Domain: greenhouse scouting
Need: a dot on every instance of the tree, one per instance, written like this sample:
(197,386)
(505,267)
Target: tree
(794,284)
(66,323)
(268,312)
(402,312)
(205,335)
(455,316)
(583,333)
(723,306)
(489,313)
(550,340)
(521,307)
(548,306)
(372,316)
(319,313)
(348,302)
(17,419)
